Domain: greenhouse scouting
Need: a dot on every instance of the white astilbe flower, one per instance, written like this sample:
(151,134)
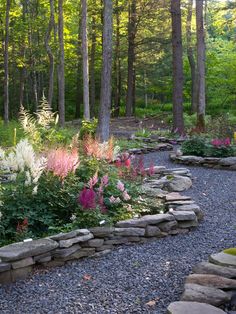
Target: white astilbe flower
(24,159)
(116,152)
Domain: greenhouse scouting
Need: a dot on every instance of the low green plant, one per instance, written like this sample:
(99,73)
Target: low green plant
(219,152)
(194,146)
(88,127)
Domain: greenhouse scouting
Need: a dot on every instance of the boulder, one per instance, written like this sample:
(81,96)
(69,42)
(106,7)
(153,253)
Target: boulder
(179,184)
(209,268)
(145,220)
(192,308)
(188,224)
(17,251)
(223,259)
(202,294)
(212,281)
(168,225)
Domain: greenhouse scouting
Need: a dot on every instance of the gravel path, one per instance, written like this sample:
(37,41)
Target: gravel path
(129,277)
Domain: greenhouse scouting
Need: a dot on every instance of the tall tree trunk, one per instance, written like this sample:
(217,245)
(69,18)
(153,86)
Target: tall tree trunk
(50,54)
(23,49)
(117,64)
(145,88)
(103,129)
(201,56)
(6,66)
(131,59)
(61,66)
(92,69)
(85,59)
(178,122)
(79,83)
(191,57)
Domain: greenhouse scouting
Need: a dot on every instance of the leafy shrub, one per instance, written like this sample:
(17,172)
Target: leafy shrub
(219,151)
(88,128)
(194,146)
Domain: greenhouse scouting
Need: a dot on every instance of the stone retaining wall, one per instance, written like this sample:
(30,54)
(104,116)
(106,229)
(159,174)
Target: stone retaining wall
(17,260)
(211,162)
(211,289)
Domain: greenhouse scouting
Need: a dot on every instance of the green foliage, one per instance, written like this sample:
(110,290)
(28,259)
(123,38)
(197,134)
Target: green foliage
(88,128)
(220,152)
(194,146)
(10,134)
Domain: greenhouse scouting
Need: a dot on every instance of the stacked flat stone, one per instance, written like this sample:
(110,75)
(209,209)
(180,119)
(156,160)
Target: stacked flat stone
(16,260)
(210,162)
(211,289)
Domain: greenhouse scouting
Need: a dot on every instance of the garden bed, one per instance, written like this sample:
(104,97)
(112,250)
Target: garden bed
(17,260)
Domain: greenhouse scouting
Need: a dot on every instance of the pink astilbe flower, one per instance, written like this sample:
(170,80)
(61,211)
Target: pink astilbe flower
(218,142)
(105,180)
(93,181)
(114,200)
(126,196)
(87,199)
(120,186)
(61,162)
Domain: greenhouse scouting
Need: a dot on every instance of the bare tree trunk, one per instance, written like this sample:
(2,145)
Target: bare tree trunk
(50,54)
(6,66)
(145,88)
(201,56)
(191,58)
(61,66)
(131,59)
(178,122)
(117,64)
(85,59)
(92,69)
(103,129)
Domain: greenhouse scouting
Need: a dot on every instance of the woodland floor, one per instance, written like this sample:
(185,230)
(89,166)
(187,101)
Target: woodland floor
(125,280)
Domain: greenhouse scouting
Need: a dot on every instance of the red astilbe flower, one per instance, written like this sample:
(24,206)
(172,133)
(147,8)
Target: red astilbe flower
(22,226)
(151,169)
(87,198)
(61,162)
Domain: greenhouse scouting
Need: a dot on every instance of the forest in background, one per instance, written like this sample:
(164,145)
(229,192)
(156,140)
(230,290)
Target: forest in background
(142,53)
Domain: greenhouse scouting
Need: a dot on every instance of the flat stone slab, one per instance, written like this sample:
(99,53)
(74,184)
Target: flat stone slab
(70,242)
(69,235)
(202,294)
(183,215)
(17,251)
(223,259)
(129,232)
(174,196)
(145,220)
(229,161)
(192,308)
(209,268)
(211,281)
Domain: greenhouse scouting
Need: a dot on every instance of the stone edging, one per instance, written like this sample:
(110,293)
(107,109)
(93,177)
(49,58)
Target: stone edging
(211,162)
(211,289)
(18,259)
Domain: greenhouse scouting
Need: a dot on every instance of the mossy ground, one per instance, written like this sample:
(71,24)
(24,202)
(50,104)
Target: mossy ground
(231,251)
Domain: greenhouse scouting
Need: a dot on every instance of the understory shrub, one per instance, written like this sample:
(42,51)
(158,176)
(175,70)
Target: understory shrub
(194,146)
(200,146)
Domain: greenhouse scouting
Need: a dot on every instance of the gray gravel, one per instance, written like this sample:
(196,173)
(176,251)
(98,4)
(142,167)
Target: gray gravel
(129,277)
